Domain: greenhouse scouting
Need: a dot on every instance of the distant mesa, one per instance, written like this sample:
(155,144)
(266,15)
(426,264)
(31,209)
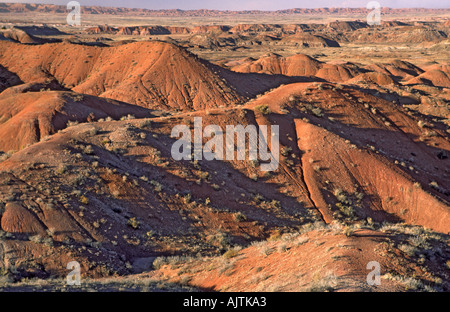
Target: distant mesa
(60,9)
(18,34)
(309,41)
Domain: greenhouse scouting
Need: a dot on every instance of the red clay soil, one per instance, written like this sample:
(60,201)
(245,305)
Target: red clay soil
(320,260)
(351,153)
(380,79)
(109,193)
(296,65)
(398,68)
(304,65)
(18,35)
(149,74)
(310,41)
(28,117)
(432,77)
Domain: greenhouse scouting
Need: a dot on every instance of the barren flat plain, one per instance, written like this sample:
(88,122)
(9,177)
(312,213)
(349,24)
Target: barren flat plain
(87,172)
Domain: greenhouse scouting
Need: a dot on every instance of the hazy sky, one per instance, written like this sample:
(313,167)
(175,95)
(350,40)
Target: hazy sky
(247,4)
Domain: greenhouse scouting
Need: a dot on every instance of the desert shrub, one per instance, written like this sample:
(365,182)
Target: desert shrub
(348,231)
(48,241)
(145,124)
(317,112)
(72,123)
(61,169)
(263,109)
(187,198)
(220,238)
(144,178)
(340,195)
(325,284)
(258,198)
(408,282)
(317,168)
(231,253)
(159,262)
(275,204)
(347,210)
(4,156)
(434,185)
(240,217)
(418,241)
(408,249)
(156,186)
(275,236)
(301,240)
(254,177)
(266,250)
(227,269)
(36,239)
(93,131)
(89,150)
(83,200)
(128,117)
(285,150)
(134,223)
(204,175)
(143,135)
(282,248)
(316,226)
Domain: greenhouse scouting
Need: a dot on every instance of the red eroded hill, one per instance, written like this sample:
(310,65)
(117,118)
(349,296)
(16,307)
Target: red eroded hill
(398,69)
(27,117)
(308,40)
(336,72)
(209,28)
(380,79)
(433,77)
(7,79)
(117,193)
(19,35)
(101,29)
(335,262)
(149,74)
(351,142)
(296,65)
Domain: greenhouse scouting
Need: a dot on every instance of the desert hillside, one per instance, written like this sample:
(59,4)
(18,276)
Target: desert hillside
(87,171)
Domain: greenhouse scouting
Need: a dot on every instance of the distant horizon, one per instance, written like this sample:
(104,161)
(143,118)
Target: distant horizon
(244,5)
